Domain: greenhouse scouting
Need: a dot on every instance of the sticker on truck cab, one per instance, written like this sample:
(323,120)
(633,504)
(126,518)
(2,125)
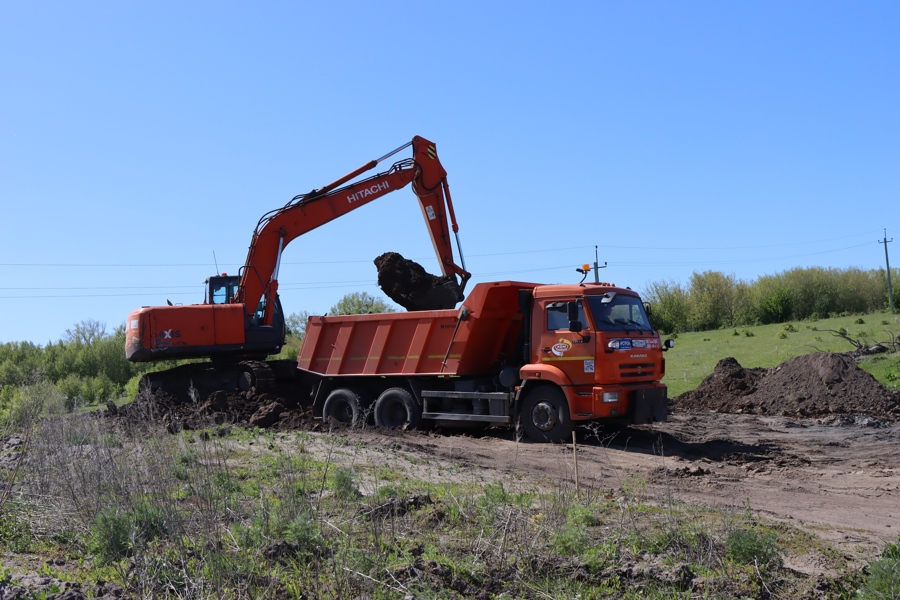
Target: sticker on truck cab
(562,347)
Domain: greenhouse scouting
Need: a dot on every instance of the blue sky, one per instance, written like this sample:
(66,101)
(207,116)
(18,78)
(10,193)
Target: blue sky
(138,141)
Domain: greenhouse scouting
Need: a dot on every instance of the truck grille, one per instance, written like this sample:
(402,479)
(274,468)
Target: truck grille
(636,369)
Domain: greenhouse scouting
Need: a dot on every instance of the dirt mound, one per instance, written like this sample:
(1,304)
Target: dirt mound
(408,284)
(812,385)
(276,409)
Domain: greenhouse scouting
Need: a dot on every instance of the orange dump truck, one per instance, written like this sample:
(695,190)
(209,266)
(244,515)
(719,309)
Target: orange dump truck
(545,356)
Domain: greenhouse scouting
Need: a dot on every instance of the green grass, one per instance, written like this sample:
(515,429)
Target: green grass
(265,514)
(695,354)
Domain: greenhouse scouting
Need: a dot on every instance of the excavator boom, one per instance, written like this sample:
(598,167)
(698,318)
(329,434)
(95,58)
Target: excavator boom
(248,321)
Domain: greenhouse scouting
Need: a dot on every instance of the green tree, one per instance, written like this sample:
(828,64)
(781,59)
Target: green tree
(360,303)
(86,332)
(296,324)
(716,300)
(671,306)
(774,301)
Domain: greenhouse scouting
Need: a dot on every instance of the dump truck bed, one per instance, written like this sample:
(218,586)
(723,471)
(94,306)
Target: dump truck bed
(419,343)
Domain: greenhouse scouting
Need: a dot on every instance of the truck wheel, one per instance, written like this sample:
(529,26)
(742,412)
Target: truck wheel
(397,409)
(545,415)
(342,408)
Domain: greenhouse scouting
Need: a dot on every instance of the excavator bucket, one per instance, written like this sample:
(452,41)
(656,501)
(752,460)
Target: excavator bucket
(408,284)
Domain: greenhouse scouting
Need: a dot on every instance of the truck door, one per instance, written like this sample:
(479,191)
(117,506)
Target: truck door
(564,349)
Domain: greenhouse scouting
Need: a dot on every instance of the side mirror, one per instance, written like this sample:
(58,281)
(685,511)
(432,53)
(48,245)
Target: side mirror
(647,309)
(670,343)
(575,325)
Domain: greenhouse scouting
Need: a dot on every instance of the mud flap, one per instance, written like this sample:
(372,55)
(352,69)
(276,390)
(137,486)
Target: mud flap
(649,405)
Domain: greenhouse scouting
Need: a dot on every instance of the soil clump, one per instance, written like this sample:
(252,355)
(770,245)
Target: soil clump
(408,284)
(809,386)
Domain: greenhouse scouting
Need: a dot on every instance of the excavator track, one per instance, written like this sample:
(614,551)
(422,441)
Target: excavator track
(195,382)
(256,374)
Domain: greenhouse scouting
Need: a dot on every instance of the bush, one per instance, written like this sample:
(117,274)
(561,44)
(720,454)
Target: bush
(748,547)
(30,402)
(883,580)
(111,536)
(671,306)
(304,531)
(343,484)
(572,538)
(116,535)
(775,306)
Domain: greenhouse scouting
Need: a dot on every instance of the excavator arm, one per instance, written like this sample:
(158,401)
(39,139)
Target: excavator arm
(305,212)
(230,325)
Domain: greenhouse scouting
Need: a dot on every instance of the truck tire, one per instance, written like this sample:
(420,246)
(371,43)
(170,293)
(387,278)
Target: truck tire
(397,409)
(545,415)
(342,408)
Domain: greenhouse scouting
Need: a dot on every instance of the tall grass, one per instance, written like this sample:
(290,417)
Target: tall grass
(239,513)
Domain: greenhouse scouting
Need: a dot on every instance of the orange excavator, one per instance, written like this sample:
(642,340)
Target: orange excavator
(241,320)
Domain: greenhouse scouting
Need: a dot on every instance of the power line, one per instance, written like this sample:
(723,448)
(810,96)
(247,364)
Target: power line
(540,251)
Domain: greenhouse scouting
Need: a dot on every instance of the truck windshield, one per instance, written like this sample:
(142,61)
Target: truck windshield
(620,312)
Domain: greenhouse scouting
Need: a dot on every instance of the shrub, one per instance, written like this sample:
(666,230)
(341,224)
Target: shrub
(572,538)
(775,306)
(111,536)
(15,532)
(748,547)
(304,531)
(28,403)
(343,484)
(671,306)
(495,496)
(883,580)
(116,535)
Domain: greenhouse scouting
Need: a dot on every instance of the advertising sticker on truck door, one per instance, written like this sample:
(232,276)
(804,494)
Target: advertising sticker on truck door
(563,346)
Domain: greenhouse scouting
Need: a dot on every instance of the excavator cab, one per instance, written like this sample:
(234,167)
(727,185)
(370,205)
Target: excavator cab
(222,288)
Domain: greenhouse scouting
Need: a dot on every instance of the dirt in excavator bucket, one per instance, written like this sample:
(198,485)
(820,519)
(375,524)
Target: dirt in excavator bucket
(408,284)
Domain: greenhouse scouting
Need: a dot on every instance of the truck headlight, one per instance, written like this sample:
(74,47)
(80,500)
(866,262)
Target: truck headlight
(610,396)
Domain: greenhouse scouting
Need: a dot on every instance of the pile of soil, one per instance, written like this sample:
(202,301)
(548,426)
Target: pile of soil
(812,385)
(408,284)
(279,409)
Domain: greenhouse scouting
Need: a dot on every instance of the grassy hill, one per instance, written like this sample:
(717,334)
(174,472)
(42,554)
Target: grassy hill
(695,354)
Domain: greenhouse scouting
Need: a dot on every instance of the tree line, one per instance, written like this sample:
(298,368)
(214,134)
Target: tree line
(88,367)
(714,300)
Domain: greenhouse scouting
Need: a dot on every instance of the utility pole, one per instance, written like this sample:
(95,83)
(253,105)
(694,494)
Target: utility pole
(586,268)
(888,264)
(597,268)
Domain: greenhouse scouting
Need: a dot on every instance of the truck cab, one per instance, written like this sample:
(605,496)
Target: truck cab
(593,345)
